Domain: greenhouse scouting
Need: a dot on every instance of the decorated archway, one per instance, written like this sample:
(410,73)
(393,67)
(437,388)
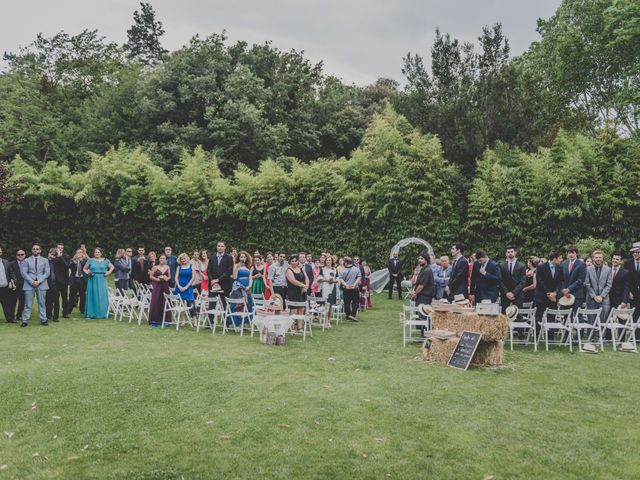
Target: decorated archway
(380,278)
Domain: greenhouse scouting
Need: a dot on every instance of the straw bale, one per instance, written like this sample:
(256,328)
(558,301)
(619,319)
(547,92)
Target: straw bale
(440,350)
(492,327)
(489,354)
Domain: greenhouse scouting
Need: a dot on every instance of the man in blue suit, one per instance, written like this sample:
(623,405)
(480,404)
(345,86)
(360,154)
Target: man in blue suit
(485,278)
(35,271)
(172,263)
(574,274)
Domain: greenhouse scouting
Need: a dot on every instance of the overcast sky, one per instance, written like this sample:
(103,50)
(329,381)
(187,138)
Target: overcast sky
(357,40)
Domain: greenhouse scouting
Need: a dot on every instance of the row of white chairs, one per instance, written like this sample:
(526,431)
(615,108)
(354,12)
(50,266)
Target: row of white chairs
(235,314)
(565,327)
(558,327)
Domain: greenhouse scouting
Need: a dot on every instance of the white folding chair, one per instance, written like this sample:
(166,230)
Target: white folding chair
(176,306)
(237,307)
(122,304)
(209,313)
(317,310)
(585,319)
(621,331)
(258,299)
(411,320)
(305,317)
(114,300)
(338,311)
(524,322)
(560,323)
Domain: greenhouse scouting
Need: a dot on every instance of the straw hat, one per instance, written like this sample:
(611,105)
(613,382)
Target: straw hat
(567,301)
(623,316)
(511,312)
(589,348)
(627,347)
(460,300)
(216,289)
(635,247)
(425,309)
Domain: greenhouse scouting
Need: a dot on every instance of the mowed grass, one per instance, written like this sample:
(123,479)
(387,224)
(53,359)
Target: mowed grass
(141,403)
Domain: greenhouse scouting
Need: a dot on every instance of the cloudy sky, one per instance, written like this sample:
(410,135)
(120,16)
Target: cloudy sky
(358,40)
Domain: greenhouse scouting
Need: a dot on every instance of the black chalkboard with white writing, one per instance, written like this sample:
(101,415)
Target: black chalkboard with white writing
(463,353)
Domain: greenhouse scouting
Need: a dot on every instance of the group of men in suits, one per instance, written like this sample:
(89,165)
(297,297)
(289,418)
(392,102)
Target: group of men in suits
(53,281)
(597,286)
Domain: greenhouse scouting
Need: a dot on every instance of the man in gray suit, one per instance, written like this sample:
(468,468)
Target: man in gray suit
(598,283)
(35,271)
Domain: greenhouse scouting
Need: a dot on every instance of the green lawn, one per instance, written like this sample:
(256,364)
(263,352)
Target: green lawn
(100,399)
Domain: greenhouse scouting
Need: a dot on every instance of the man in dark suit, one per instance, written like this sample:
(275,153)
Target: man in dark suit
(619,293)
(172,262)
(52,300)
(16,297)
(220,270)
(140,267)
(514,278)
(77,281)
(574,274)
(63,261)
(7,281)
(395,275)
(459,279)
(633,267)
(485,278)
(549,282)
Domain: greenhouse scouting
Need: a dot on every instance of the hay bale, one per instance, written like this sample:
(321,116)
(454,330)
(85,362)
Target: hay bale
(492,327)
(489,354)
(440,350)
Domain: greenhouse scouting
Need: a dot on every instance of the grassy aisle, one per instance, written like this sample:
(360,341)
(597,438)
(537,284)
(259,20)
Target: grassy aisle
(99,399)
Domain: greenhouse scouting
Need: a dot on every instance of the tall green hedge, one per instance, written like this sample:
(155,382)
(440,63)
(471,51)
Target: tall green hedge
(396,184)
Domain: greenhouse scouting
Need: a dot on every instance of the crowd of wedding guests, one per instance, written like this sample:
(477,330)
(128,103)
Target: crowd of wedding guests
(60,282)
(593,282)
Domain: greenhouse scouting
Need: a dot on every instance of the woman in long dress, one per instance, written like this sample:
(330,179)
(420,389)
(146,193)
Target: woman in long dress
(159,275)
(185,279)
(204,265)
(297,285)
(366,282)
(328,281)
(242,283)
(267,286)
(97,296)
(257,276)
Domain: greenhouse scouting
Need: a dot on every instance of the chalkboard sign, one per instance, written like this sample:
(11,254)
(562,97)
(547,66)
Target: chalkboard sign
(466,347)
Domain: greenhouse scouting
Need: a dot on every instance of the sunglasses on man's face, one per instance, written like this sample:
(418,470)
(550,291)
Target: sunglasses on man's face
(20,254)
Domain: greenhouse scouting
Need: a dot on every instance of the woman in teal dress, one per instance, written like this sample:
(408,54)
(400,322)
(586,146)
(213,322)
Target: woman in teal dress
(97,269)
(257,276)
